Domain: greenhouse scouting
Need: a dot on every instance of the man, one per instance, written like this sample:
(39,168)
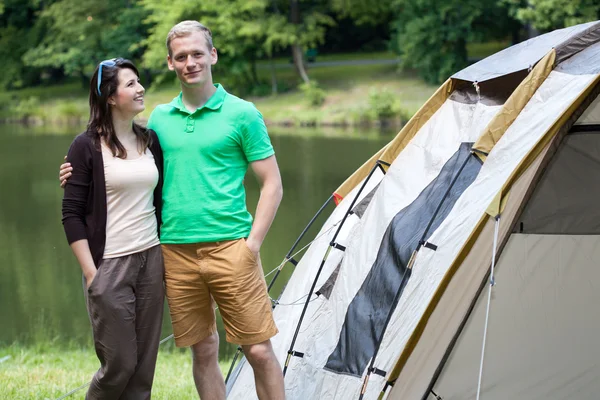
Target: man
(210,244)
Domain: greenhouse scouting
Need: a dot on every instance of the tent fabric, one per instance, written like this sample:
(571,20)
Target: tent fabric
(571,184)
(420,368)
(415,167)
(375,299)
(578,42)
(571,71)
(591,116)
(520,141)
(422,345)
(493,92)
(542,340)
(515,104)
(392,149)
(525,55)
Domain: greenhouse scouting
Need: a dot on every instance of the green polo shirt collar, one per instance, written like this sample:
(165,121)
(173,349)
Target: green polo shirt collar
(214,102)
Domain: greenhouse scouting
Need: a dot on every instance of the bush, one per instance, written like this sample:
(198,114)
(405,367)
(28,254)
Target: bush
(382,103)
(70,110)
(313,93)
(25,108)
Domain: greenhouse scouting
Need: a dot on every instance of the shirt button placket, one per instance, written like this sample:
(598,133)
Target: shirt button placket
(189,127)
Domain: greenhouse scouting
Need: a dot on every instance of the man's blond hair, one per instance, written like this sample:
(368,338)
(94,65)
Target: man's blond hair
(185,28)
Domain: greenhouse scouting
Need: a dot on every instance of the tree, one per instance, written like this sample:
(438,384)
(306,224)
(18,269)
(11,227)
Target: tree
(364,12)
(82,33)
(243,31)
(547,15)
(431,36)
(20,30)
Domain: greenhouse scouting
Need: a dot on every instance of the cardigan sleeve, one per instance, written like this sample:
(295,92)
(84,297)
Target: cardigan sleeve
(75,198)
(158,159)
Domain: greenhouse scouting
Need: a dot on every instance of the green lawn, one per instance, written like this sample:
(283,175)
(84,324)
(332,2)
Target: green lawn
(48,372)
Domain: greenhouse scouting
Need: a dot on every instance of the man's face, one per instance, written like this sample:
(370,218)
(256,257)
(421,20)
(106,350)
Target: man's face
(191,59)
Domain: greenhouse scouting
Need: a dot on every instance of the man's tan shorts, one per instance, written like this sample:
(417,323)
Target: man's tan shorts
(227,272)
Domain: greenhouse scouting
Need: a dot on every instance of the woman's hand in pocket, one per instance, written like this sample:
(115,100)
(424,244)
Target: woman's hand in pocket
(89,278)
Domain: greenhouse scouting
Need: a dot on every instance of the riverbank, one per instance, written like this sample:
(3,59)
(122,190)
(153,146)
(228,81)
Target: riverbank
(359,90)
(359,96)
(48,371)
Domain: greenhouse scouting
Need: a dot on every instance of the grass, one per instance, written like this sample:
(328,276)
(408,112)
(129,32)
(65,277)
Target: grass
(47,371)
(346,87)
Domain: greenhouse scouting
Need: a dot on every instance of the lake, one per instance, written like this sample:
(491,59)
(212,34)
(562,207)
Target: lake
(41,295)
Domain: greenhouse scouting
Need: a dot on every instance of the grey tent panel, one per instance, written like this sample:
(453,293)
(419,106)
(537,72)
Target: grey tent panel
(524,55)
(361,207)
(586,62)
(367,313)
(327,287)
(567,196)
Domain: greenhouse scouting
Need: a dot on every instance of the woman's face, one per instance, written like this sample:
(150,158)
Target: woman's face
(129,97)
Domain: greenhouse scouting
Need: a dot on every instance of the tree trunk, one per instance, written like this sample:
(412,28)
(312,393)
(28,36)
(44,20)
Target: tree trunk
(299,62)
(296,49)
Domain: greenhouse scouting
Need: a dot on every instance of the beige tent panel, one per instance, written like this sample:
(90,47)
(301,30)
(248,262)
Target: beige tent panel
(563,123)
(514,105)
(542,337)
(591,115)
(393,148)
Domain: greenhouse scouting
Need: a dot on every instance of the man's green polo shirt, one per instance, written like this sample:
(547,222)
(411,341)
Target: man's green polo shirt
(206,156)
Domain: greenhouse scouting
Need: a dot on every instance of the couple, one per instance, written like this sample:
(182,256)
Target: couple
(182,177)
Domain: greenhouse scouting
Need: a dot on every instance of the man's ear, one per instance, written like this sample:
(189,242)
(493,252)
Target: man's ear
(170,63)
(214,56)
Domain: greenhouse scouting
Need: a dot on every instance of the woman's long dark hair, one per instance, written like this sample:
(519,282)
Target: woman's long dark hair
(100,123)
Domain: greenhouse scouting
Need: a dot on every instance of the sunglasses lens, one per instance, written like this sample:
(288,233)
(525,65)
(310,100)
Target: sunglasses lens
(106,63)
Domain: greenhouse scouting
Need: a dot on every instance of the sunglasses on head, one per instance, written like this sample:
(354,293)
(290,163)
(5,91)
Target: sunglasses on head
(106,63)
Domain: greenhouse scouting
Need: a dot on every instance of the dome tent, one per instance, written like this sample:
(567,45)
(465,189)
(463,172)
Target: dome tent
(503,159)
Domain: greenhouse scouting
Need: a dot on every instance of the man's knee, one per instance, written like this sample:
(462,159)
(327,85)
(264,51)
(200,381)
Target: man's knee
(206,350)
(260,354)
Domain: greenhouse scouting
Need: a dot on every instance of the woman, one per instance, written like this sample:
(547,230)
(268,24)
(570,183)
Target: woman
(111,216)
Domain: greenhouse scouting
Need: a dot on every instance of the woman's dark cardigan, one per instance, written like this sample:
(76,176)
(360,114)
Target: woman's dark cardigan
(84,200)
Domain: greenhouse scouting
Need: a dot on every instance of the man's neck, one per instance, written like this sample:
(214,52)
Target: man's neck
(195,97)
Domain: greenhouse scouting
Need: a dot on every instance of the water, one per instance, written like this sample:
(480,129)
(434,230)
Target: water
(41,297)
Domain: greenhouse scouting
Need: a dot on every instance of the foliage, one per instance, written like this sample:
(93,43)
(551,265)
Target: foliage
(382,103)
(82,33)
(243,32)
(364,11)
(314,94)
(546,15)
(431,36)
(19,31)
(25,108)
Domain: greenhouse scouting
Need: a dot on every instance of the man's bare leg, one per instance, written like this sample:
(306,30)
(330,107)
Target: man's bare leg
(267,371)
(207,374)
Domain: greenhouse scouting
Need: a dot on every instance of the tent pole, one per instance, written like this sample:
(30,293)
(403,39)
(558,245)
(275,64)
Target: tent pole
(291,351)
(288,256)
(487,312)
(407,275)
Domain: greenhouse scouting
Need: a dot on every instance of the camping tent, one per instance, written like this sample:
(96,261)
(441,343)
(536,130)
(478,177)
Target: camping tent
(494,180)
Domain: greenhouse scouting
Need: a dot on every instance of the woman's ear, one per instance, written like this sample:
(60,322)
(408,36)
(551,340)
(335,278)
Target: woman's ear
(111,101)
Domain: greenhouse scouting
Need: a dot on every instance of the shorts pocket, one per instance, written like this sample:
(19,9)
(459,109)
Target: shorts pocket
(250,253)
